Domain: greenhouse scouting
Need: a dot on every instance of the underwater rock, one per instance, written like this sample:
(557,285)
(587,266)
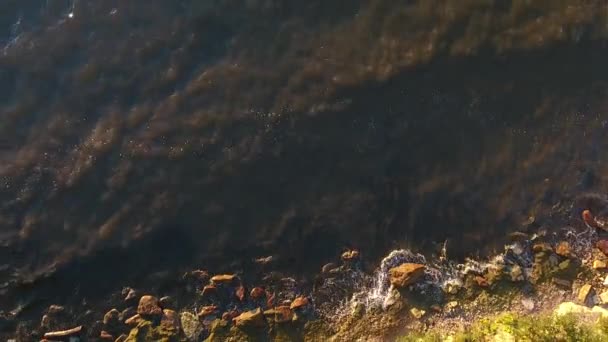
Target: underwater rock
(148,306)
(191,326)
(406,274)
(224,279)
(251,319)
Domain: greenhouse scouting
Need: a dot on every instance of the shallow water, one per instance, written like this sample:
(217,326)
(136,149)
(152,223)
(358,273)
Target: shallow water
(142,136)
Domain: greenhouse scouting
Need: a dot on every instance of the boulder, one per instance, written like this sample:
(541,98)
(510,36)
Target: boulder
(191,326)
(148,306)
(253,318)
(406,274)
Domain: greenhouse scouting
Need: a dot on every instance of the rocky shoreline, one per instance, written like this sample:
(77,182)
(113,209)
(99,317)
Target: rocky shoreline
(408,295)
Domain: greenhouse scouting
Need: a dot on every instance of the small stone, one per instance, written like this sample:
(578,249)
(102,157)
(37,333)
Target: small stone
(299,303)
(170,319)
(257,293)
(69,333)
(481,281)
(282,314)
(406,274)
(584,294)
(191,326)
(436,308)
(104,335)
(563,249)
(253,318)
(148,306)
(528,304)
(133,320)
(121,338)
(207,311)
(224,279)
(350,255)
(542,247)
(516,273)
(166,302)
(604,297)
(417,313)
(602,245)
(55,309)
(127,313)
(452,288)
(131,295)
(599,265)
(327,268)
(240,293)
(562,282)
(451,305)
(111,319)
(264,260)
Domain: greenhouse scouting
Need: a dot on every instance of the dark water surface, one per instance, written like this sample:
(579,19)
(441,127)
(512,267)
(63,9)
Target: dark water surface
(141,136)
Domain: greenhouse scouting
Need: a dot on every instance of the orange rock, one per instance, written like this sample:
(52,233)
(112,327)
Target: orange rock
(104,335)
(298,303)
(481,281)
(240,293)
(563,249)
(283,314)
(208,311)
(170,319)
(133,320)
(225,279)
(209,290)
(148,306)
(350,255)
(253,318)
(257,293)
(406,274)
(270,299)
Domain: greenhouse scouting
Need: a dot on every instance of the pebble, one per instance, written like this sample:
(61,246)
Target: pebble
(209,290)
(585,293)
(148,306)
(563,249)
(327,268)
(562,282)
(208,311)
(299,303)
(225,279)
(281,314)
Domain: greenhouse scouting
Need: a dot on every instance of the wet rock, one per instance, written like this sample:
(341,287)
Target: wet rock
(602,245)
(127,313)
(55,310)
(604,297)
(250,319)
(106,336)
(563,249)
(417,313)
(406,274)
(148,306)
(64,334)
(111,320)
(133,320)
(170,319)
(240,293)
(585,293)
(166,302)
(599,264)
(146,331)
(208,312)
(299,303)
(209,291)
(130,295)
(224,279)
(516,273)
(280,314)
(350,255)
(327,268)
(257,293)
(191,326)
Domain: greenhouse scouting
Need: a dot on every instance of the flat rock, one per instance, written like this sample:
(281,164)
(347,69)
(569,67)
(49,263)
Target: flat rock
(406,274)
(148,306)
(253,318)
(224,279)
